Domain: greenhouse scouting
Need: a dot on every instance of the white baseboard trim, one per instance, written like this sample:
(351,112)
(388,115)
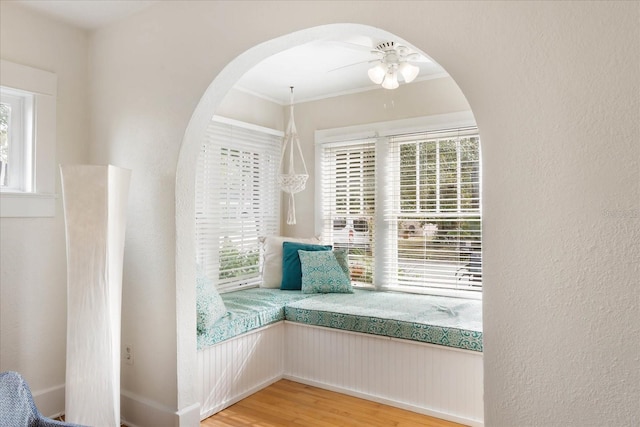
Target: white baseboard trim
(50,401)
(138,411)
(401,405)
(222,405)
(189,416)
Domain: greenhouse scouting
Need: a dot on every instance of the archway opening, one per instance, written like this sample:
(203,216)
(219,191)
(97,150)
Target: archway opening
(389,107)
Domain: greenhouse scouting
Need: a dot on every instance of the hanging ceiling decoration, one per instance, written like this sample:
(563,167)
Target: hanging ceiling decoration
(290,181)
(395,60)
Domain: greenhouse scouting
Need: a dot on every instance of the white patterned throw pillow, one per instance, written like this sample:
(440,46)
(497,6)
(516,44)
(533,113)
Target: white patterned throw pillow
(272,258)
(322,273)
(209,305)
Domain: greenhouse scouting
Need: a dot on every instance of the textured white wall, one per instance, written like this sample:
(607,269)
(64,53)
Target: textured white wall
(33,304)
(554,89)
(557,99)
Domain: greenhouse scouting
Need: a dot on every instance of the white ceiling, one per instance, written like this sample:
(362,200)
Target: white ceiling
(320,69)
(87,14)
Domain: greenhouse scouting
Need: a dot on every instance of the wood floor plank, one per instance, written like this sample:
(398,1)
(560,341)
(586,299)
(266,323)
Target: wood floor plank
(287,403)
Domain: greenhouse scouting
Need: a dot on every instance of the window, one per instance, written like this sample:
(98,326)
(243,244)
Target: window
(348,185)
(16,121)
(237,200)
(410,201)
(27,141)
(434,233)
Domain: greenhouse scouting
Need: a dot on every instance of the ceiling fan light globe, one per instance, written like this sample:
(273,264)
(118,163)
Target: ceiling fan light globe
(390,81)
(377,73)
(409,71)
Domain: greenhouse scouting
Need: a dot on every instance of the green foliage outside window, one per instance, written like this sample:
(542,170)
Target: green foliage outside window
(439,181)
(237,263)
(5,111)
(5,114)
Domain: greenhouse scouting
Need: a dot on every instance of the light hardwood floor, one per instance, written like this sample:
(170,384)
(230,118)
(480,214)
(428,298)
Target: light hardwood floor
(287,403)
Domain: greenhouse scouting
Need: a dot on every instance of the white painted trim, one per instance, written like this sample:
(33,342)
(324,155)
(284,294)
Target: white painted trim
(189,416)
(235,399)
(449,373)
(376,130)
(248,126)
(233,369)
(380,132)
(243,89)
(137,411)
(42,179)
(27,205)
(50,401)
(28,79)
(368,88)
(394,403)
(445,292)
(185,175)
(431,379)
(334,94)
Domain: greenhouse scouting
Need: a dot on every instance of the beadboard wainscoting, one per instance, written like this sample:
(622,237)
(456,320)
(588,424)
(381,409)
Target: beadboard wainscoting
(440,381)
(236,368)
(434,380)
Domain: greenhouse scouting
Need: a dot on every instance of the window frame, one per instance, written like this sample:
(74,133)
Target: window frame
(20,139)
(381,132)
(340,167)
(35,197)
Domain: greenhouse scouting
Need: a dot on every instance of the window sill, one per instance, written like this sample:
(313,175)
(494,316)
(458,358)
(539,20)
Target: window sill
(27,205)
(443,292)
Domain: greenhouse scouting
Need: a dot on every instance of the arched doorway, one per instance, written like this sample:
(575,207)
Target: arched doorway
(185,195)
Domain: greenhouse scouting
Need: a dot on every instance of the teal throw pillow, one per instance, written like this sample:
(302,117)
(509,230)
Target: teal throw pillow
(322,273)
(291,270)
(209,305)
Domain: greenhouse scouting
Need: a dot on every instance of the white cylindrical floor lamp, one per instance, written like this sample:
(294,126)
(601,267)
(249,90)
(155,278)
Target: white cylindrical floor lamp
(95,199)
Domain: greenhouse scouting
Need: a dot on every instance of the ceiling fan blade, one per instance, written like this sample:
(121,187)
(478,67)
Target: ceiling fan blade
(357,46)
(416,57)
(351,65)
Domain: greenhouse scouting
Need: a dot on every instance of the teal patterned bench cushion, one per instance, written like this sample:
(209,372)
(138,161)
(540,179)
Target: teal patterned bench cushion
(451,322)
(246,310)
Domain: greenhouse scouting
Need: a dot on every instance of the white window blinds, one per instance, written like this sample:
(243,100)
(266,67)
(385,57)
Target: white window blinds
(434,214)
(348,203)
(412,203)
(237,201)
(16,145)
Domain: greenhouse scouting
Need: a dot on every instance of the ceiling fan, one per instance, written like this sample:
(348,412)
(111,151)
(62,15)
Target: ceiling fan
(392,60)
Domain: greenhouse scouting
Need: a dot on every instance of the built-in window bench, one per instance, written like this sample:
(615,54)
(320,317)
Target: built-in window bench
(418,352)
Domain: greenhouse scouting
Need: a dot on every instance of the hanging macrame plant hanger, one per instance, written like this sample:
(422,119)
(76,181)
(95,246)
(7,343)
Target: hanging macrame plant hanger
(289,180)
